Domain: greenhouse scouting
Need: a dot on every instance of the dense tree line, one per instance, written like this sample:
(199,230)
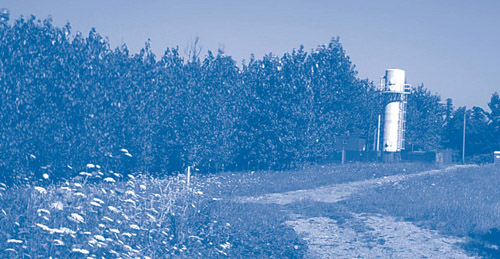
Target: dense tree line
(482,132)
(68,100)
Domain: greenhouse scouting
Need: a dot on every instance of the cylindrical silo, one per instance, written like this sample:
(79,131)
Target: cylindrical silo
(395,80)
(391,127)
(394,88)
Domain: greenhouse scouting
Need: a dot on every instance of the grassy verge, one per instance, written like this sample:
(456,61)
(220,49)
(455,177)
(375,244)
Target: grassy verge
(258,183)
(104,214)
(464,203)
(108,215)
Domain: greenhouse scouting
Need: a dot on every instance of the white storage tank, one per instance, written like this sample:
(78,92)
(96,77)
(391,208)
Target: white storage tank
(395,80)
(394,85)
(391,127)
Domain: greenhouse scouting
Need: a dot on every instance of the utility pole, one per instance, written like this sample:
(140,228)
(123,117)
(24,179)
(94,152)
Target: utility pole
(463,137)
(378,134)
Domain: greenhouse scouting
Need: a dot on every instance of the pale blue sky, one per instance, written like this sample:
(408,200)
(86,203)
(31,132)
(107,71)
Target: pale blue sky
(450,46)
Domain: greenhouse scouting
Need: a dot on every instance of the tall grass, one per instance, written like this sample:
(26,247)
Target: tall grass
(258,183)
(106,214)
(464,202)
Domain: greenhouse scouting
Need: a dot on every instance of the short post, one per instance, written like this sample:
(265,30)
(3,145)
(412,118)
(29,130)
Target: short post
(343,156)
(378,134)
(188,176)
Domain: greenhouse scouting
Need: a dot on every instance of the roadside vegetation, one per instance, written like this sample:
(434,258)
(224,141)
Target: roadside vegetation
(102,213)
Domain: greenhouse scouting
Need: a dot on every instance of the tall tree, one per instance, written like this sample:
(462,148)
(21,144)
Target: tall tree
(494,117)
(425,119)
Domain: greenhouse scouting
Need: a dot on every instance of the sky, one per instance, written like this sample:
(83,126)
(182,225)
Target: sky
(452,47)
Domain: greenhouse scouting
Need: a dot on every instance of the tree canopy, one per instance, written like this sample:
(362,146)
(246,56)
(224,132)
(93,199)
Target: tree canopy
(68,100)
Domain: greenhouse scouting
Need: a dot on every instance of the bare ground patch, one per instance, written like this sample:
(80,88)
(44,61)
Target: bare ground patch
(386,238)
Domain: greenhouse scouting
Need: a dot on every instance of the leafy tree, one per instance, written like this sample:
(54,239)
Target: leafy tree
(425,118)
(69,100)
(494,117)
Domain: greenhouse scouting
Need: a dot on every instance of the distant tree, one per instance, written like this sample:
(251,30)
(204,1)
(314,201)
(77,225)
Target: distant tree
(494,117)
(425,118)
(479,136)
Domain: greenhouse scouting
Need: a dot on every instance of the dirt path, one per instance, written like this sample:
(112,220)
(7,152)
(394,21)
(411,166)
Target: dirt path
(385,238)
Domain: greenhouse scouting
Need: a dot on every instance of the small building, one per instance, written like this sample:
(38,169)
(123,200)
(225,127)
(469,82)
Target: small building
(496,157)
(349,143)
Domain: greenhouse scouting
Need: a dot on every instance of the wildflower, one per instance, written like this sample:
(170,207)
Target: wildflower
(41,190)
(130,201)
(107,218)
(220,251)
(143,187)
(93,203)
(100,238)
(58,242)
(127,234)
(85,174)
(39,211)
(114,230)
(134,226)
(99,200)
(90,165)
(81,194)
(45,176)
(151,217)
(109,180)
(130,192)
(16,241)
(57,205)
(225,245)
(78,250)
(113,209)
(76,218)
